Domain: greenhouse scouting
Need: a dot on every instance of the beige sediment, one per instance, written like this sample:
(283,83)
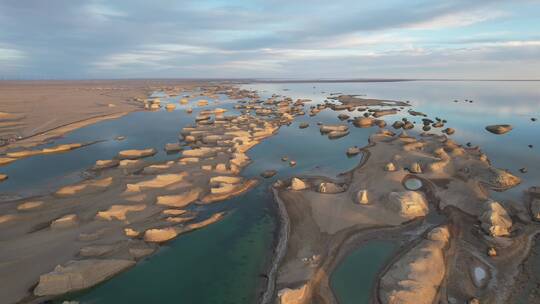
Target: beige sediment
(236,190)
(118,205)
(306,204)
(39,111)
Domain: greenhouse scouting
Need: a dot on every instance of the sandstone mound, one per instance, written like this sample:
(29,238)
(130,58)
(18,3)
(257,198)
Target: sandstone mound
(298,184)
(409,204)
(293,296)
(179,200)
(119,212)
(105,164)
(160,235)
(134,154)
(159,181)
(77,275)
(495,220)
(330,188)
(499,129)
(416,277)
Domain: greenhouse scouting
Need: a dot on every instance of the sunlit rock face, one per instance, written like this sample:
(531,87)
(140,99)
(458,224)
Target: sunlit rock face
(409,204)
(495,220)
(416,277)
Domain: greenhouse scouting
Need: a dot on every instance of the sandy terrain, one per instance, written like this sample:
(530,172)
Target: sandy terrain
(33,111)
(97,228)
(324,216)
(132,205)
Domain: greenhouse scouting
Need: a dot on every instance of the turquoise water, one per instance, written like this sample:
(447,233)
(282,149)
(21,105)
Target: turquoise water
(224,262)
(42,173)
(219,264)
(352,281)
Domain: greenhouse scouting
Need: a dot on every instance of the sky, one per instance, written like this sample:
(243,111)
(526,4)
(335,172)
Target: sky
(294,39)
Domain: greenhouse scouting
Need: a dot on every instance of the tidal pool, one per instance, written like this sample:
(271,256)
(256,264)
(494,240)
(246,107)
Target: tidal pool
(413,183)
(354,278)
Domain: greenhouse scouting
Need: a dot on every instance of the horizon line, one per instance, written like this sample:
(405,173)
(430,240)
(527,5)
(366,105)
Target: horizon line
(268,80)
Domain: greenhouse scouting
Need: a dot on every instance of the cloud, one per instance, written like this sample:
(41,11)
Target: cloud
(347,39)
(459,19)
(8,54)
(11,59)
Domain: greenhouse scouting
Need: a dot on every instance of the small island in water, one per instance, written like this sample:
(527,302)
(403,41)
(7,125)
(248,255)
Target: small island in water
(241,152)
(411,184)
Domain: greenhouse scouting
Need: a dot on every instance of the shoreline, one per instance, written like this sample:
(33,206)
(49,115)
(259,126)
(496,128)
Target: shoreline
(283,238)
(319,222)
(35,112)
(348,240)
(132,206)
(49,135)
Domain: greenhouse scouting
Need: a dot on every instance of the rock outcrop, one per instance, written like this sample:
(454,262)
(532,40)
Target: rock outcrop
(173,147)
(390,167)
(415,278)
(268,173)
(535,209)
(330,188)
(160,235)
(105,164)
(298,184)
(293,296)
(179,200)
(499,129)
(119,212)
(362,197)
(502,179)
(78,275)
(353,151)
(31,205)
(495,220)
(135,154)
(333,128)
(66,221)
(409,204)
(363,122)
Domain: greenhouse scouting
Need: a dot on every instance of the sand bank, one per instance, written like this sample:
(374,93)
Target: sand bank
(33,112)
(125,213)
(374,199)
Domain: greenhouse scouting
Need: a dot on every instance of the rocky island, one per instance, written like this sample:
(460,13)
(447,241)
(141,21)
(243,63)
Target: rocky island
(418,188)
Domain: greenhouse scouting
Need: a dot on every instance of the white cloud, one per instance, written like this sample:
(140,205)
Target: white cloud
(461,19)
(103,11)
(362,40)
(10,54)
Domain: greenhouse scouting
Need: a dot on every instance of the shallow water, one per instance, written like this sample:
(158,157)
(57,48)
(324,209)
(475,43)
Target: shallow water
(352,281)
(42,173)
(500,102)
(413,184)
(219,264)
(479,275)
(223,262)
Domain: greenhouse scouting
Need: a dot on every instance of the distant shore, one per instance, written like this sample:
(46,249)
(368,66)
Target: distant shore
(33,112)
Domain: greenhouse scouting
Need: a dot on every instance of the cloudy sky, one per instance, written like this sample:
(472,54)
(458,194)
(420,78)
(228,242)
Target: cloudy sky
(269,39)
